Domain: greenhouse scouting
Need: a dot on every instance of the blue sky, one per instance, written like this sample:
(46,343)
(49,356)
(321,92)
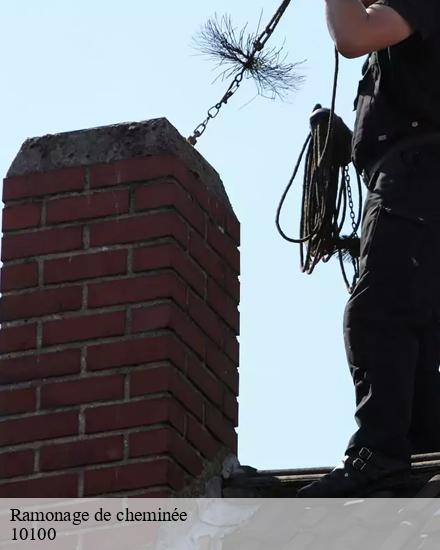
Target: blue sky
(79,63)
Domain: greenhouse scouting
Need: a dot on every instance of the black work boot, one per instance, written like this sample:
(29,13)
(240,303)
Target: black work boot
(359,475)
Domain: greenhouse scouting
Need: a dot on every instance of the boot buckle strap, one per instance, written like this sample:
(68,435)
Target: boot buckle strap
(359,464)
(365,453)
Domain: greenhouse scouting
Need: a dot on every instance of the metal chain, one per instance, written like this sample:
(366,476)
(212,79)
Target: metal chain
(354,223)
(355,226)
(259,44)
(268,31)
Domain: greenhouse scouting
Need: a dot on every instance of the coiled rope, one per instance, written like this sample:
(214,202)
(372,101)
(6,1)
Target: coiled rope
(327,193)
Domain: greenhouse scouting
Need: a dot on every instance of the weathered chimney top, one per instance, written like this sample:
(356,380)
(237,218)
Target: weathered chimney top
(106,144)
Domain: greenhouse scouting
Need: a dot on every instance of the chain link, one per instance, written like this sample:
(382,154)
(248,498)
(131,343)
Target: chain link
(354,223)
(354,234)
(259,44)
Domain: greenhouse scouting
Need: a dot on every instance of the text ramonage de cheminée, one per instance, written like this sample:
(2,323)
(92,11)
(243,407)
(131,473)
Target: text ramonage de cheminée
(78,517)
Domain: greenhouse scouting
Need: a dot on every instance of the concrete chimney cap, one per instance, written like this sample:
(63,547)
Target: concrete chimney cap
(106,144)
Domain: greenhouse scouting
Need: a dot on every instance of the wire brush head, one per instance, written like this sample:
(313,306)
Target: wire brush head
(239,50)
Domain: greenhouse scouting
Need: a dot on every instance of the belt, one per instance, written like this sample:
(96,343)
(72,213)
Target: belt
(370,172)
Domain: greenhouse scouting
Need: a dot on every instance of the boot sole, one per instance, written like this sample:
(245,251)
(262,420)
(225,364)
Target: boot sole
(387,487)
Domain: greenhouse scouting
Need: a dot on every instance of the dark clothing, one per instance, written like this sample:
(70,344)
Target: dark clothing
(399,94)
(392,332)
(392,320)
(407,180)
(422,15)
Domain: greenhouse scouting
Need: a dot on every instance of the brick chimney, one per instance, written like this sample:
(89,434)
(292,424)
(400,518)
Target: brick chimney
(118,348)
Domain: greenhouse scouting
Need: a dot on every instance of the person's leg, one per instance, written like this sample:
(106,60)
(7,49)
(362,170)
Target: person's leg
(380,333)
(425,429)
(382,352)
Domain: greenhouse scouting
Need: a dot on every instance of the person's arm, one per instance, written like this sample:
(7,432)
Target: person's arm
(357,30)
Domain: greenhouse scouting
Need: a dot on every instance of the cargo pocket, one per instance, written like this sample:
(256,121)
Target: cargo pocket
(369,223)
(393,243)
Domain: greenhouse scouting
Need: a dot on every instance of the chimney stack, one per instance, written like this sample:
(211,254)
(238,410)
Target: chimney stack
(118,348)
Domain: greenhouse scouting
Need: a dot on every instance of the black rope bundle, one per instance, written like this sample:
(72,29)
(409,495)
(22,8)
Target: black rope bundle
(327,194)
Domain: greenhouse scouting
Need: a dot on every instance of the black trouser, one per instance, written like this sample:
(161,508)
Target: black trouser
(392,320)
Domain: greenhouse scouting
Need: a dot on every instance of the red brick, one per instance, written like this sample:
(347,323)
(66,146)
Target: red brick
(60,486)
(232,284)
(221,428)
(94,205)
(165,441)
(34,428)
(230,407)
(190,333)
(153,442)
(223,367)
(131,170)
(16,464)
(143,227)
(138,289)
(158,375)
(215,266)
(169,193)
(132,414)
(147,169)
(168,316)
(232,347)
(206,257)
(46,241)
(80,453)
(85,266)
(172,256)
(222,304)
(21,216)
(14,401)
(225,246)
(194,183)
(84,390)
(18,338)
(85,327)
(207,320)
(39,366)
(167,379)
(40,302)
(153,317)
(218,210)
(16,277)
(233,227)
(133,476)
(36,185)
(201,439)
(204,380)
(133,352)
